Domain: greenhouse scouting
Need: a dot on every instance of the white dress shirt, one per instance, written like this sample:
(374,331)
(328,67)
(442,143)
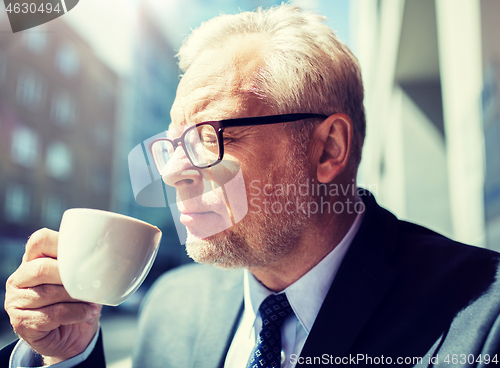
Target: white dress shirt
(305,296)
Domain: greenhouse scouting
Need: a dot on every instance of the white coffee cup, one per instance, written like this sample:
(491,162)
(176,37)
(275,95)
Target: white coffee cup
(103,256)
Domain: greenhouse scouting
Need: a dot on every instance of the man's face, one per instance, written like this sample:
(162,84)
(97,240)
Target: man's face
(217,86)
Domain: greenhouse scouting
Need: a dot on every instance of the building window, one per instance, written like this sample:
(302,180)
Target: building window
(67,60)
(17,203)
(52,210)
(63,109)
(59,161)
(35,41)
(24,149)
(29,89)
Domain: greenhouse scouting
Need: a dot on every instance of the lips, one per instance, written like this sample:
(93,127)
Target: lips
(188,217)
(203,224)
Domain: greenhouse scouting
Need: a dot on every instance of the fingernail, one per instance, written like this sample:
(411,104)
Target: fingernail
(92,313)
(96,309)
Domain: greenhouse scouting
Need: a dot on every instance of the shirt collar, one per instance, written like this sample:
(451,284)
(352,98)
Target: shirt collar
(306,295)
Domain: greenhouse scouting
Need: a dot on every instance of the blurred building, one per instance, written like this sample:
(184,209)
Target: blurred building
(490,27)
(57,126)
(423,64)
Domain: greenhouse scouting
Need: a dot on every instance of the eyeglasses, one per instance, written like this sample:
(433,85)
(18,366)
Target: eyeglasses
(203,142)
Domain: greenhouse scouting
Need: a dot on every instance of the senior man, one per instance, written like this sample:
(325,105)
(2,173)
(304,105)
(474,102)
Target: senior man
(346,284)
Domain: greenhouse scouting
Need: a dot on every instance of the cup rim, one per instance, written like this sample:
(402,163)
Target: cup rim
(113,214)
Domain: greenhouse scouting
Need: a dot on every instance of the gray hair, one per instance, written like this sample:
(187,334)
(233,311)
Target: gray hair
(307,68)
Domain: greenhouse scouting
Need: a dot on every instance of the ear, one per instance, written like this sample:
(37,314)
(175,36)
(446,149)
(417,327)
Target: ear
(331,147)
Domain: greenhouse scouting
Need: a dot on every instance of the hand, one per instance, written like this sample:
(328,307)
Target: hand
(41,311)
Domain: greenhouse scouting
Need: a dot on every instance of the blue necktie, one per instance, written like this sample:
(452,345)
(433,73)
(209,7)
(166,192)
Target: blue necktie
(267,352)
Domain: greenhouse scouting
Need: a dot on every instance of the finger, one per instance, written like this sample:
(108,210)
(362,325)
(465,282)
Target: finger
(37,297)
(42,243)
(36,272)
(34,323)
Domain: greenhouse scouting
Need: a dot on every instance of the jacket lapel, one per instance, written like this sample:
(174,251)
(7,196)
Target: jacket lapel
(359,286)
(219,324)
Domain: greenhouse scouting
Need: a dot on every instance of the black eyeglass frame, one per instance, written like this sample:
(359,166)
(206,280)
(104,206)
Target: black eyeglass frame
(220,125)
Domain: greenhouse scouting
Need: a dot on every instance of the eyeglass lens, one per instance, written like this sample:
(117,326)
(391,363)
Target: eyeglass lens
(201,144)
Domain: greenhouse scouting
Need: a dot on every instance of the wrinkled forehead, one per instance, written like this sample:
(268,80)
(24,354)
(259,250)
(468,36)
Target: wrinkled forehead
(220,84)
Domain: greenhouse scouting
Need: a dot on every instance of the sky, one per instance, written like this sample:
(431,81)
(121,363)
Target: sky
(108,26)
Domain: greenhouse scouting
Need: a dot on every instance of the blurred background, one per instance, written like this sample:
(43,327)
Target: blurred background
(78,93)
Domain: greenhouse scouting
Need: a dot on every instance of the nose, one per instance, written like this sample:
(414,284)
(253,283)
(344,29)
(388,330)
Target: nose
(179,172)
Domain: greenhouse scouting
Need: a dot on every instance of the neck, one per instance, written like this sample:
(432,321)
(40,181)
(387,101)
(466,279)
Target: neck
(320,237)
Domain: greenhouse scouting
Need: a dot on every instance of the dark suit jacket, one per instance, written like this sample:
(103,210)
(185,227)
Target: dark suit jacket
(402,291)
